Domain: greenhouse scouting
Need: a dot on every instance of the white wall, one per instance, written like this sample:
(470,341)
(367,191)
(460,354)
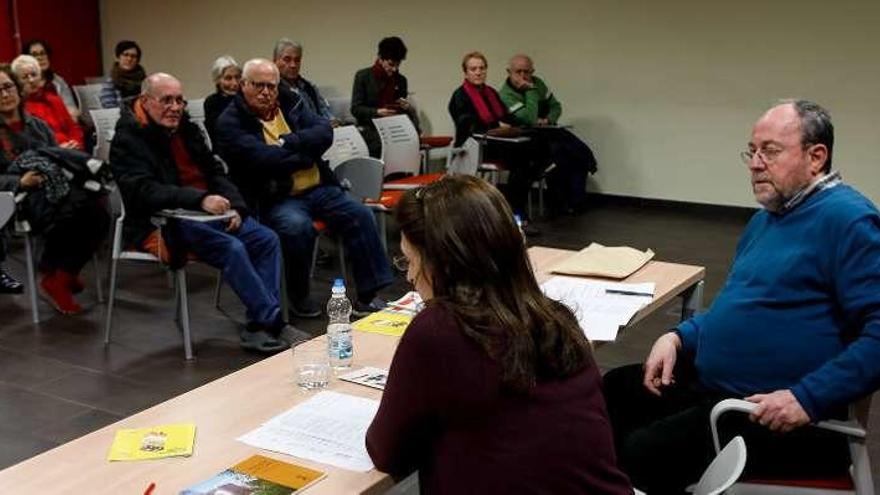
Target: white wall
(666,92)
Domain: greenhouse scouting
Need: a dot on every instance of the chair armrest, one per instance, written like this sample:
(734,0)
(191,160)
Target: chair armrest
(849,428)
(486,137)
(193,215)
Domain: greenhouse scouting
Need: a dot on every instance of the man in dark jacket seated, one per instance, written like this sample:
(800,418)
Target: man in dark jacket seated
(274,148)
(160,160)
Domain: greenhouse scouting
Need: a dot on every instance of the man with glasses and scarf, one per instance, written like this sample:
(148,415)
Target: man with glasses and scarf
(795,329)
(161,161)
(273,147)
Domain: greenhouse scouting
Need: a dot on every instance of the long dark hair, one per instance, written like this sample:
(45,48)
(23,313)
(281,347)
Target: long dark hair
(48,75)
(470,244)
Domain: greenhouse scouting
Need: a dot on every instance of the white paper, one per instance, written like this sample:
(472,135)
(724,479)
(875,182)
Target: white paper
(599,312)
(329,428)
(368,377)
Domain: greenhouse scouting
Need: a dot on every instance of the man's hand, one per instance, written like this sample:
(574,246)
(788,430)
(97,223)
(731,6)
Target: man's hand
(542,122)
(71,145)
(335,122)
(661,362)
(31,180)
(386,112)
(215,204)
(234,222)
(404,103)
(780,411)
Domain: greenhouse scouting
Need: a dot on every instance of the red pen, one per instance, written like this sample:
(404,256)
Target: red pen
(150,489)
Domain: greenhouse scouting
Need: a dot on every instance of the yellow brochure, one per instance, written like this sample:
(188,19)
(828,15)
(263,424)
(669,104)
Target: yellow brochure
(153,443)
(384,322)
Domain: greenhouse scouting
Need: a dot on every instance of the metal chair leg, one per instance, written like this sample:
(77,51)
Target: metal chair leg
(217,288)
(111,299)
(341,248)
(314,257)
(180,277)
(32,278)
(99,288)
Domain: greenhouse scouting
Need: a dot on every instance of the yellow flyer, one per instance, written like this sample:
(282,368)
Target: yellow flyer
(384,322)
(153,443)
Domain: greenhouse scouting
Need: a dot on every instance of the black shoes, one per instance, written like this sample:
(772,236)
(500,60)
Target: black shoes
(305,308)
(9,285)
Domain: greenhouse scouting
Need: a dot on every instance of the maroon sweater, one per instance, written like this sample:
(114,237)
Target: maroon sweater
(444,413)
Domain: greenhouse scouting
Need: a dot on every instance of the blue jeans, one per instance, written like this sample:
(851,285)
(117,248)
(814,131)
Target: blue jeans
(292,219)
(250,259)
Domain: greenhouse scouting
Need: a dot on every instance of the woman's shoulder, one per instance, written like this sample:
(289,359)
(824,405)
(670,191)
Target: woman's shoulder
(436,323)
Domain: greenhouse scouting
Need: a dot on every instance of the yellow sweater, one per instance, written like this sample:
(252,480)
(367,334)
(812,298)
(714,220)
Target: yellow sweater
(302,180)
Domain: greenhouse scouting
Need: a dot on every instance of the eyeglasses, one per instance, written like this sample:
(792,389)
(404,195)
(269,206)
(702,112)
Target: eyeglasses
(261,86)
(8,88)
(401,263)
(169,101)
(767,155)
(38,54)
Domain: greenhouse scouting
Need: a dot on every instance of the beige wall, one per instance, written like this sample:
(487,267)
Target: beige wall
(666,92)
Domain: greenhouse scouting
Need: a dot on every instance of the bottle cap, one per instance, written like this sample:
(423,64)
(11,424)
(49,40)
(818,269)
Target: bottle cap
(338,285)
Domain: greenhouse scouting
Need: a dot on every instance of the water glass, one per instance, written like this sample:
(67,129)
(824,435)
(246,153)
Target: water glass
(311,366)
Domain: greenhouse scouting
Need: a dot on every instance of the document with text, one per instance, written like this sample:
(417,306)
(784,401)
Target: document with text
(601,307)
(329,428)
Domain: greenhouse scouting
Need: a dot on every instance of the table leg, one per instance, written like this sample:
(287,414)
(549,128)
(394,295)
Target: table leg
(692,300)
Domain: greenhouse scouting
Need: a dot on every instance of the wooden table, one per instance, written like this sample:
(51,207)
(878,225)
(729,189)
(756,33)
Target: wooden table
(237,403)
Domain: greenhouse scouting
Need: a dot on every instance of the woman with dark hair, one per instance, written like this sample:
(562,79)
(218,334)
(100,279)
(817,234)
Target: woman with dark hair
(125,77)
(226,74)
(41,51)
(476,107)
(381,91)
(72,221)
(45,104)
(492,378)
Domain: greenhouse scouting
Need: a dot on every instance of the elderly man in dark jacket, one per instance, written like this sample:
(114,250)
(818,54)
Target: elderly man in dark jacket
(274,150)
(161,160)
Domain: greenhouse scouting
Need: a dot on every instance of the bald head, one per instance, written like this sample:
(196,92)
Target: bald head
(518,59)
(520,71)
(162,99)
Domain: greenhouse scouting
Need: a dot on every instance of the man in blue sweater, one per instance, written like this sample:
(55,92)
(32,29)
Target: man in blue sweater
(795,329)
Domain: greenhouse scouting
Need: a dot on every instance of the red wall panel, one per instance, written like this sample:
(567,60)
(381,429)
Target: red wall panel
(73,29)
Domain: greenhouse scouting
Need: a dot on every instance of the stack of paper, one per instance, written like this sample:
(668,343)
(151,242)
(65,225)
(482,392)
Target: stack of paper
(601,308)
(597,260)
(154,442)
(330,428)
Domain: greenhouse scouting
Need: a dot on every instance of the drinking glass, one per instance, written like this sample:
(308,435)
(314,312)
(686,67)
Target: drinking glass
(311,366)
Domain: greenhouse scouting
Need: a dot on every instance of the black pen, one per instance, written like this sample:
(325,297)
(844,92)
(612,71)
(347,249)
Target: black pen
(627,293)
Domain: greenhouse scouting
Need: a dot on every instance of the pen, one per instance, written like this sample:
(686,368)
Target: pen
(150,489)
(627,293)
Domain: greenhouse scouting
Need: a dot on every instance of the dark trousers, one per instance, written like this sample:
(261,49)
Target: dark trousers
(665,443)
(250,259)
(73,238)
(567,183)
(525,162)
(292,219)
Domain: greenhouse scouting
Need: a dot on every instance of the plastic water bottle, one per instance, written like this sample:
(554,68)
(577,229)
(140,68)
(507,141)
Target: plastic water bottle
(339,344)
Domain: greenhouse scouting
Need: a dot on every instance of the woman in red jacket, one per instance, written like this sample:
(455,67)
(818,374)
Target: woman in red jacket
(493,388)
(41,101)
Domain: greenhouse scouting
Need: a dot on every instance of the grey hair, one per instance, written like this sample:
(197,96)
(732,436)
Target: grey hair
(283,44)
(816,126)
(222,63)
(249,66)
(22,61)
(518,56)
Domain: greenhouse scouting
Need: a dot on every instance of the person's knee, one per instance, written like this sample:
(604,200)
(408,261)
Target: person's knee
(621,380)
(293,227)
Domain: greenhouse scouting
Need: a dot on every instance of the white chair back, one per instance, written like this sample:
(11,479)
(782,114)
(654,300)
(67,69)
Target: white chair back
(347,143)
(7,207)
(97,79)
(340,106)
(362,177)
(105,126)
(724,470)
(196,110)
(89,97)
(467,159)
(400,144)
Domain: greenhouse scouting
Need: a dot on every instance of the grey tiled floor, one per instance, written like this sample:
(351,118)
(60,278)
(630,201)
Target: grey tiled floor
(58,381)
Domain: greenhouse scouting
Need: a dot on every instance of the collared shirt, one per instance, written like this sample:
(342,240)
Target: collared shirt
(828,181)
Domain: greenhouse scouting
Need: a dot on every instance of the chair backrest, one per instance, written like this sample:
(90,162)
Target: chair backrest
(7,207)
(400,144)
(196,110)
(88,98)
(347,143)
(467,160)
(97,79)
(340,106)
(724,470)
(105,126)
(362,177)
